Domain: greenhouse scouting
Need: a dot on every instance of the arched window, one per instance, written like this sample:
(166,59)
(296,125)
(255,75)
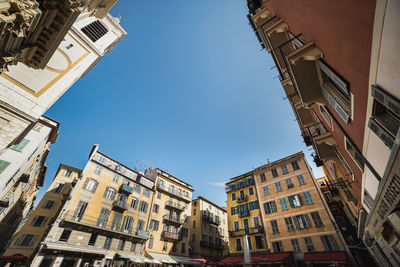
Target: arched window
(94,30)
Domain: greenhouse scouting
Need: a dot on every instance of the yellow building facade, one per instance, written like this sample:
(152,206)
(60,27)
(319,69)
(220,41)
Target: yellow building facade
(293,209)
(209,230)
(170,219)
(244,215)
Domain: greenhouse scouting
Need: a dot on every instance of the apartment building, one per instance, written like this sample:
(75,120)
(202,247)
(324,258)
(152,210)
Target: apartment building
(22,172)
(294,213)
(169,224)
(344,97)
(103,221)
(32,30)
(209,236)
(244,215)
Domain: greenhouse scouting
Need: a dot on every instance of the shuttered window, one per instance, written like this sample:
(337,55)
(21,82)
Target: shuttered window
(19,147)
(3,165)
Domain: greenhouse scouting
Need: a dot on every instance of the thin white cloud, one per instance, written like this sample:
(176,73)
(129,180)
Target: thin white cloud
(219,184)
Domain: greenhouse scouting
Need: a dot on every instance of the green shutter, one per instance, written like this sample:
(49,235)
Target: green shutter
(19,147)
(3,165)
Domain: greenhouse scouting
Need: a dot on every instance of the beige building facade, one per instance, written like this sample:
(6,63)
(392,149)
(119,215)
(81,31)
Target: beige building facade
(209,237)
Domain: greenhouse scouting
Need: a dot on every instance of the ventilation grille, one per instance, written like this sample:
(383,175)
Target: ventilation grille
(387,100)
(381,132)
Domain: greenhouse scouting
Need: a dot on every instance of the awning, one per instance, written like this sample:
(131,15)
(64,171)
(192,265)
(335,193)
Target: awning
(204,261)
(66,247)
(271,258)
(325,257)
(136,259)
(184,260)
(164,258)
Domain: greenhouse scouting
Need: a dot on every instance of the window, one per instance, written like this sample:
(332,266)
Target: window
(39,221)
(134,203)
(65,235)
(146,192)
(159,195)
(301,180)
(116,223)
(174,247)
(103,217)
(133,245)
(295,166)
(302,221)
(253,205)
(347,190)
(90,185)
(140,225)
(278,186)
(295,245)
(121,244)
(20,146)
(256,221)
(3,165)
(154,225)
(355,155)
(97,170)
(236,225)
(92,239)
(94,30)
(308,198)
(115,179)
(309,244)
(194,224)
(289,183)
(127,226)
(274,227)
(183,247)
(278,247)
(262,177)
(59,188)
(233,196)
(165,246)
(184,232)
(289,224)
(26,240)
(251,191)
(143,206)
(49,204)
(316,219)
(107,243)
(110,193)
(238,244)
(274,173)
(329,243)
(284,205)
(234,210)
(294,201)
(80,210)
(67,173)
(270,207)
(137,188)
(249,241)
(156,208)
(259,242)
(284,169)
(266,190)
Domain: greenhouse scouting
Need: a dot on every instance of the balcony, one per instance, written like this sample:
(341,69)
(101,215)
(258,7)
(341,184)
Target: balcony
(306,116)
(212,245)
(169,235)
(244,213)
(326,152)
(120,205)
(241,199)
(125,188)
(174,205)
(88,223)
(247,231)
(261,17)
(174,193)
(253,5)
(211,218)
(318,162)
(172,219)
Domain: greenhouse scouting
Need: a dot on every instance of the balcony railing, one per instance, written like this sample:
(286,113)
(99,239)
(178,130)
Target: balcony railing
(242,199)
(92,224)
(174,205)
(173,192)
(244,213)
(172,236)
(207,244)
(247,231)
(120,204)
(173,219)
(126,188)
(211,218)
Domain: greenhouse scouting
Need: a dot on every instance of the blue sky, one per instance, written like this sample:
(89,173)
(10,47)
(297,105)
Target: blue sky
(188,90)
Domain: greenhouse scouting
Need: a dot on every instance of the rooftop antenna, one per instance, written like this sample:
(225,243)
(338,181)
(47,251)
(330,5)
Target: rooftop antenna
(268,161)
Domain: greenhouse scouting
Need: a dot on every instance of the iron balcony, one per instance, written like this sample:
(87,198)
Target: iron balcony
(242,199)
(174,205)
(247,231)
(173,219)
(169,235)
(120,205)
